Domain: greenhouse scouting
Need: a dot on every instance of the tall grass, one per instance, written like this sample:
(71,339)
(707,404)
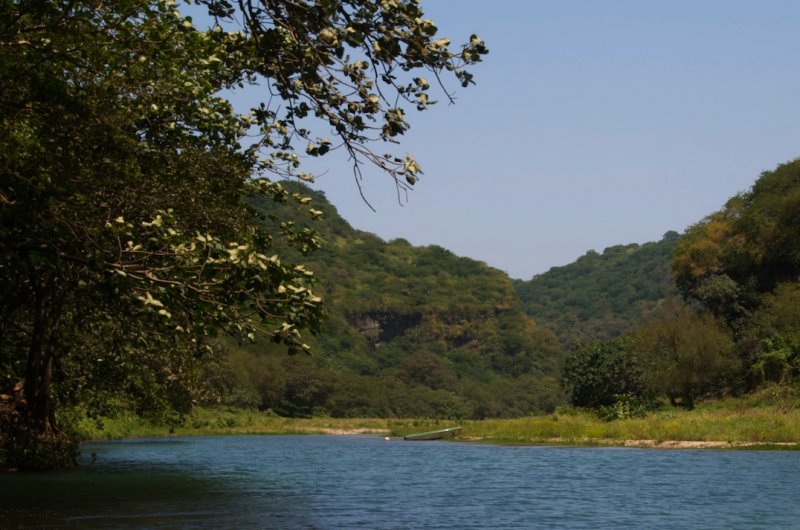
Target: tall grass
(771,415)
(762,419)
(217,421)
(749,426)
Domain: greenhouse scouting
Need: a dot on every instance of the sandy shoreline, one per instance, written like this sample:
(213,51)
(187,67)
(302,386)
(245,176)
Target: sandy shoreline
(341,432)
(635,444)
(699,444)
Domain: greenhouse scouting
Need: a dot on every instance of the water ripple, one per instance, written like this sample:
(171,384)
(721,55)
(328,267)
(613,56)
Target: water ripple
(366,482)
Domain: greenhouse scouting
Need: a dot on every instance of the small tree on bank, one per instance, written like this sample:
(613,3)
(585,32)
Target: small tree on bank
(125,242)
(686,357)
(598,374)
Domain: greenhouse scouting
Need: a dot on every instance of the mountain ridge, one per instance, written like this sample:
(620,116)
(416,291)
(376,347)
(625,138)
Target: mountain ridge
(602,295)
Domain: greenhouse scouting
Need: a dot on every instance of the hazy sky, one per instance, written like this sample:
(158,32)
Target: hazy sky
(592,124)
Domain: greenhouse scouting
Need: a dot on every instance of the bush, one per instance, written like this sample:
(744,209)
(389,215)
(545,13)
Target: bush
(597,373)
(626,406)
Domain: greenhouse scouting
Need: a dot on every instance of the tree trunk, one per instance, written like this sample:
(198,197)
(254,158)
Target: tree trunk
(38,394)
(39,413)
(30,438)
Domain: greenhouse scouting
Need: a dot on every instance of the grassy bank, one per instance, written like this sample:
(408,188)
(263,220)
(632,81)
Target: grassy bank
(770,417)
(756,420)
(225,420)
(747,426)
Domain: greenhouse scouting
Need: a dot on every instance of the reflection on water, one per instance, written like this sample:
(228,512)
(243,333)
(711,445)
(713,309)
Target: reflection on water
(362,481)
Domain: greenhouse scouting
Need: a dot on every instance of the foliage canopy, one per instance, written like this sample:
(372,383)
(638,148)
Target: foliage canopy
(733,256)
(602,296)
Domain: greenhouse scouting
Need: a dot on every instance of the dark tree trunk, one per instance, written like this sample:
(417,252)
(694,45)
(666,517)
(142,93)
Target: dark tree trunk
(38,393)
(36,387)
(31,438)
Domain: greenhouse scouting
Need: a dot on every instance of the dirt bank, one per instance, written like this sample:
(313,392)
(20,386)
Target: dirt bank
(360,430)
(698,444)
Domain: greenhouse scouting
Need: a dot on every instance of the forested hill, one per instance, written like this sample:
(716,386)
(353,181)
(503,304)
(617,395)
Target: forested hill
(602,295)
(411,331)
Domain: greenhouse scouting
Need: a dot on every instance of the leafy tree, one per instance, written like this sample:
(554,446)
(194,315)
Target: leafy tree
(126,243)
(598,374)
(777,322)
(779,312)
(778,362)
(427,369)
(685,357)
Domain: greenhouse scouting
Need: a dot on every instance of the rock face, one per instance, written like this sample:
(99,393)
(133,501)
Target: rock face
(379,327)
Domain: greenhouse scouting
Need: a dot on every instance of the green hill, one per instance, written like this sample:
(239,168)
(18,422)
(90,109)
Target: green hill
(410,331)
(600,296)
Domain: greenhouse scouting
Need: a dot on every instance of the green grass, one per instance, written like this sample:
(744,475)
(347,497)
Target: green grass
(765,419)
(770,416)
(761,425)
(224,420)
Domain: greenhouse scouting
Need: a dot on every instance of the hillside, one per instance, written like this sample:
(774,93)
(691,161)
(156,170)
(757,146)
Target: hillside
(410,331)
(738,268)
(600,296)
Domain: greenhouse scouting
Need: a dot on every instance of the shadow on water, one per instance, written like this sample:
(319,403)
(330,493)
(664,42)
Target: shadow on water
(139,484)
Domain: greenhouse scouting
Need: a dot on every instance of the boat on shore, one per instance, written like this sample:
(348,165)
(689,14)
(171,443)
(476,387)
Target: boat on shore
(433,435)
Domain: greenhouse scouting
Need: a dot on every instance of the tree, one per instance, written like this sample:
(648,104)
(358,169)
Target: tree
(598,374)
(778,323)
(126,242)
(685,357)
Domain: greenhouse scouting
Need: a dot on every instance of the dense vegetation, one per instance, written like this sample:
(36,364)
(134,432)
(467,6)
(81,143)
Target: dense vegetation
(125,242)
(739,270)
(601,296)
(410,332)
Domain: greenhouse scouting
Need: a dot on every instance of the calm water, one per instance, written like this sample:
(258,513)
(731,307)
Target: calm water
(366,482)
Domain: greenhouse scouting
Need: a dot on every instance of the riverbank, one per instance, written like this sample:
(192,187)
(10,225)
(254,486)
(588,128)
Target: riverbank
(726,424)
(675,429)
(204,421)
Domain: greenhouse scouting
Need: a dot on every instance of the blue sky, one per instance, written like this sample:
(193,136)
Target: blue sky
(592,124)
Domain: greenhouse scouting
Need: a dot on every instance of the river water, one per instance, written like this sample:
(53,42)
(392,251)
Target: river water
(367,482)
